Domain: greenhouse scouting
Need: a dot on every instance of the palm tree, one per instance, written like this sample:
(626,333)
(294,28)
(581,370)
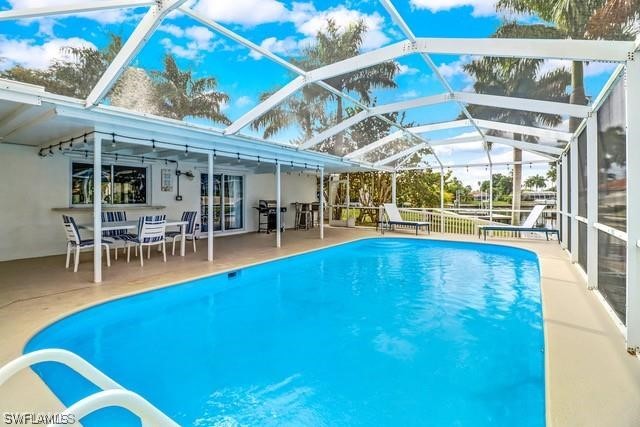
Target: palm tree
(517,78)
(331,45)
(572,19)
(180,95)
(616,19)
(74,76)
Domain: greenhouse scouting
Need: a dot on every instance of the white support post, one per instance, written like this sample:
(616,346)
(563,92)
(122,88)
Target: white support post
(573,176)
(633,204)
(97,209)
(558,195)
(278,214)
(491,192)
(393,187)
(564,173)
(348,196)
(441,200)
(210,209)
(592,201)
(321,208)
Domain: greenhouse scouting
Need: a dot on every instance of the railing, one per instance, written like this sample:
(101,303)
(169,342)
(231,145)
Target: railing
(112,394)
(449,221)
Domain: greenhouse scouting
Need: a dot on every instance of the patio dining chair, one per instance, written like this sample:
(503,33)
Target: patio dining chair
(75,243)
(151,232)
(117,235)
(190,232)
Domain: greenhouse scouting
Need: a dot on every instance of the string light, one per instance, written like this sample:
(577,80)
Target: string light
(63,145)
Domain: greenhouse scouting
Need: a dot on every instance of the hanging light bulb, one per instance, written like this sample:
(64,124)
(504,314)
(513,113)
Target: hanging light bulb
(84,140)
(153,145)
(142,160)
(186,150)
(71,143)
(116,157)
(214,153)
(238,159)
(113,139)
(258,159)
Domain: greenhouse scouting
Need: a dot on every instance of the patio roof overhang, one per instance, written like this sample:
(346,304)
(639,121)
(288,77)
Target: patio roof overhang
(31,116)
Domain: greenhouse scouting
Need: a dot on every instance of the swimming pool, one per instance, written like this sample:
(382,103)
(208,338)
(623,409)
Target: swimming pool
(389,331)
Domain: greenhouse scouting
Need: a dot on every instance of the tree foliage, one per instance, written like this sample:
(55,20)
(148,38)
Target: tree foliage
(310,109)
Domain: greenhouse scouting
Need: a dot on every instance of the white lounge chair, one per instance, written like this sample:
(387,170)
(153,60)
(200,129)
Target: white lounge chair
(394,218)
(151,232)
(75,243)
(527,226)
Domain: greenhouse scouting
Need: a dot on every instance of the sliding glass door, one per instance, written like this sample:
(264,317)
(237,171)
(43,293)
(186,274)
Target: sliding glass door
(228,197)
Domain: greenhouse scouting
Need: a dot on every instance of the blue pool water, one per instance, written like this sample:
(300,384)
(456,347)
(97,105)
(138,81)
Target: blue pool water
(379,332)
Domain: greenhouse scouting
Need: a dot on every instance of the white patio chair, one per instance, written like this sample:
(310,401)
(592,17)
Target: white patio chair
(190,232)
(75,243)
(151,232)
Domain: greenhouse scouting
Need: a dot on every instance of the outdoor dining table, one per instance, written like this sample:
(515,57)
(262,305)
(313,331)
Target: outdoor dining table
(132,225)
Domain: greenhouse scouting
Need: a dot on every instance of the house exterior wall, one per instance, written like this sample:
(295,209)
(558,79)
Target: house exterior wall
(31,186)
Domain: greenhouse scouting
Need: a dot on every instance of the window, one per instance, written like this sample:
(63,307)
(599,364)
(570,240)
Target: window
(121,184)
(612,160)
(612,272)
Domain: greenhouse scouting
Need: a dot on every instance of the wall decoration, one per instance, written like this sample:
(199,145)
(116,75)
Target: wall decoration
(166,180)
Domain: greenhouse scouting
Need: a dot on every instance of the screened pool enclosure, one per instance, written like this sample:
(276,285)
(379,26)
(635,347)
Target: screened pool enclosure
(598,178)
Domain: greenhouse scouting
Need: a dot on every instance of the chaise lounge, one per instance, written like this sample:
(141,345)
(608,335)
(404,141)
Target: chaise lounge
(527,226)
(394,218)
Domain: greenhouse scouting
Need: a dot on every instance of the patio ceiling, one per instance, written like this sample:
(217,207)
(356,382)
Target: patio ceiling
(29,114)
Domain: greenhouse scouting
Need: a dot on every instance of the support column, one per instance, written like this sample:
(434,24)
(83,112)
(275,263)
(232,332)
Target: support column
(633,203)
(321,207)
(558,187)
(573,176)
(565,202)
(441,199)
(393,188)
(97,208)
(210,210)
(278,214)
(490,192)
(592,201)
(348,196)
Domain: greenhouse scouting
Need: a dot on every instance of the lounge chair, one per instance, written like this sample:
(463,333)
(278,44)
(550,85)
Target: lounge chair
(151,232)
(394,218)
(527,226)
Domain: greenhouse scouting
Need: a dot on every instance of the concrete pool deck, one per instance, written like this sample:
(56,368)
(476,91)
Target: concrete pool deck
(590,379)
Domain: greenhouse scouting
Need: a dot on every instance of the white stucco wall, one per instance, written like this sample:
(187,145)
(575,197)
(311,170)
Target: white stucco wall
(31,186)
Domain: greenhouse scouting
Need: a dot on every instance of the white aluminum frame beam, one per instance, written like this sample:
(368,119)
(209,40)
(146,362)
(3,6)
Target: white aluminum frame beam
(72,8)
(468,98)
(526,146)
(524,104)
(633,204)
(409,151)
(570,50)
(404,27)
(525,130)
(131,47)
(456,140)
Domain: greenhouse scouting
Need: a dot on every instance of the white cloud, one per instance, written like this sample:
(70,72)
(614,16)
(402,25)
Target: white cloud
(197,39)
(309,22)
(31,55)
(243,101)
(480,7)
(243,12)
(285,47)
(406,70)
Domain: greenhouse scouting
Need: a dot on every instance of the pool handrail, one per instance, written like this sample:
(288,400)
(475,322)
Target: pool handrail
(111,394)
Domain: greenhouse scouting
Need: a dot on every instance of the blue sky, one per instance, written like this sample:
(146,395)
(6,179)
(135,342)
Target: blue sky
(283,27)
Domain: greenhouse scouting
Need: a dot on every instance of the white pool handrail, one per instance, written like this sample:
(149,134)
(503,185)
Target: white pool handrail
(112,394)
(133,402)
